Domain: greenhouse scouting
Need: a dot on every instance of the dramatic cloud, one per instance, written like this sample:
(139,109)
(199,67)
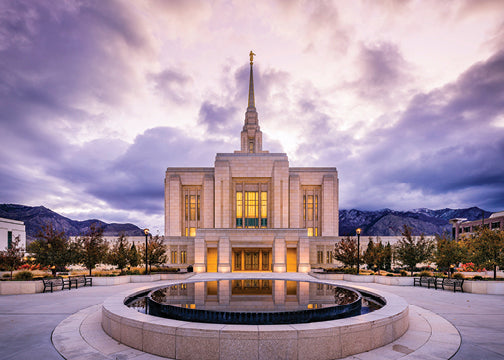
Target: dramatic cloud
(98,98)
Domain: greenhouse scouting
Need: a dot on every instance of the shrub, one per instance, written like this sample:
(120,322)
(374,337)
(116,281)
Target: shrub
(390,275)
(5,276)
(164,270)
(457,276)
(425,273)
(133,272)
(23,275)
(477,277)
(403,273)
(190,268)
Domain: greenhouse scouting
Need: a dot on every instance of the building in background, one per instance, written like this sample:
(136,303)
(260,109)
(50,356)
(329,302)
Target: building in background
(463,227)
(9,230)
(251,211)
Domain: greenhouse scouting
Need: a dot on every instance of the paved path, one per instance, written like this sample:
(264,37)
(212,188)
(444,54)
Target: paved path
(27,321)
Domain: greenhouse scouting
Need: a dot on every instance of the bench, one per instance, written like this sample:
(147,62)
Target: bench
(425,280)
(50,284)
(81,280)
(455,283)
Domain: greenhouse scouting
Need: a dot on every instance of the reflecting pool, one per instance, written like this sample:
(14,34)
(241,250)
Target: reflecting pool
(255,301)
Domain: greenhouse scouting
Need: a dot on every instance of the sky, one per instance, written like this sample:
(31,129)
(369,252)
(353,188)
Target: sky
(98,98)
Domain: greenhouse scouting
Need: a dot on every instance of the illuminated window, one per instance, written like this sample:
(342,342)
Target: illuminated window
(192,231)
(309,207)
(329,257)
(251,205)
(183,256)
(311,203)
(174,256)
(192,210)
(251,146)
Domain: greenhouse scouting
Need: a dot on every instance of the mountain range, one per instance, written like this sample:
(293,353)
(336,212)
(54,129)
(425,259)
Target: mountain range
(35,217)
(385,222)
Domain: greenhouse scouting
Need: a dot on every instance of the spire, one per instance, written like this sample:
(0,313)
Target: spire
(251,99)
(251,135)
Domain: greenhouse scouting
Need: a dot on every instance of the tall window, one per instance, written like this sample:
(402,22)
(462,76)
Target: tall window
(311,218)
(174,257)
(251,206)
(183,256)
(251,145)
(192,210)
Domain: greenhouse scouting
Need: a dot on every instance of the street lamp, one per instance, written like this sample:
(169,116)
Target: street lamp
(358,231)
(146,232)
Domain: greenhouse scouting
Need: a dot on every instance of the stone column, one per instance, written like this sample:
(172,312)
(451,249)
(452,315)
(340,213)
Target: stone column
(279,255)
(304,254)
(174,206)
(208,202)
(199,255)
(294,202)
(224,255)
(328,205)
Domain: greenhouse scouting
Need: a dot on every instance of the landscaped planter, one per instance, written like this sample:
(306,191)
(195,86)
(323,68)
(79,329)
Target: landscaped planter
(484,287)
(110,280)
(145,278)
(394,280)
(21,287)
(359,278)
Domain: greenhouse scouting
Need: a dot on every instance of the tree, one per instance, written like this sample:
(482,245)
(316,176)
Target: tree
(52,249)
(133,256)
(93,248)
(119,253)
(411,251)
(157,251)
(387,257)
(486,248)
(448,252)
(12,257)
(345,251)
(370,255)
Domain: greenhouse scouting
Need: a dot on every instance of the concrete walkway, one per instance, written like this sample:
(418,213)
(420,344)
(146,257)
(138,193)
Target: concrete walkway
(28,321)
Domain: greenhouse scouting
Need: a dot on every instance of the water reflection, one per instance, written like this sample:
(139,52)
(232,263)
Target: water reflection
(255,301)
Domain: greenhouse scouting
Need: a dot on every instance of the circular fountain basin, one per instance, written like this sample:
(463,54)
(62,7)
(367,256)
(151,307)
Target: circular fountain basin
(326,339)
(253,302)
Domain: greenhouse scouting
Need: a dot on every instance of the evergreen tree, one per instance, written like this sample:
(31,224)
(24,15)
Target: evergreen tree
(370,255)
(93,248)
(52,249)
(411,251)
(12,257)
(119,253)
(133,256)
(387,257)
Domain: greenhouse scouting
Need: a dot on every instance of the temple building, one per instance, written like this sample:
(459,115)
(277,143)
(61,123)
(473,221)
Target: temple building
(251,211)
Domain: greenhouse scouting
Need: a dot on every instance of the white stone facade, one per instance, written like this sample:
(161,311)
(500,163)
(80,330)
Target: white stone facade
(251,211)
(9,230)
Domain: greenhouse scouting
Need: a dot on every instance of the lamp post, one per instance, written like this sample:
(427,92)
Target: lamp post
(146,232)
(358,231)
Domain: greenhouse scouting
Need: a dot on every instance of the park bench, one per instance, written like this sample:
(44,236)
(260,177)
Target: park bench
(81,280)
(51,283)
(454,283)
(425,280)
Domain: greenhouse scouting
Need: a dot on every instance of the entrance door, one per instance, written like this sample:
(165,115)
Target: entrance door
(212,260)
(251,260)
(291,259)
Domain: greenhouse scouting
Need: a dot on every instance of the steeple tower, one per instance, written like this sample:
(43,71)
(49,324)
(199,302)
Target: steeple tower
(251,135)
